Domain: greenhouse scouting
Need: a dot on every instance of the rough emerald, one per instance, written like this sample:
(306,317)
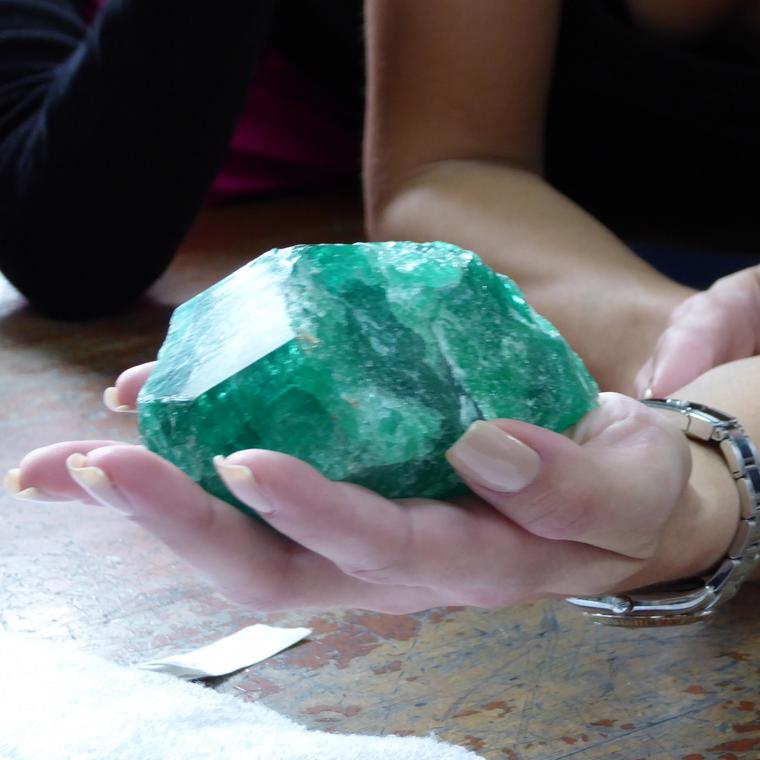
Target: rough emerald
(367,361)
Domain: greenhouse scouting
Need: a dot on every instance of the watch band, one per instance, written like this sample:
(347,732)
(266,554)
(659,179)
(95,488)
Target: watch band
(695,599)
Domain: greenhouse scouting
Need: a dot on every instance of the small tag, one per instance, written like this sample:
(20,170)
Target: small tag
(246,647)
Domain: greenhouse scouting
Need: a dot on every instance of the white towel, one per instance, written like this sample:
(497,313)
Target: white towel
(59,704)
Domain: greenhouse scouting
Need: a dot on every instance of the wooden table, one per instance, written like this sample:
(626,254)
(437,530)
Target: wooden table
(535,682)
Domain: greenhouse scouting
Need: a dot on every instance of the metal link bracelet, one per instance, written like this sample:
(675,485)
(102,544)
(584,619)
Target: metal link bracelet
(694,600)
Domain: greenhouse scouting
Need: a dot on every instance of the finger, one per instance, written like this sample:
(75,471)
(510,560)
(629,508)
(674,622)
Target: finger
(361,532)
(699,337)
(122,397)
(682,354)
(711,328)
(643,382)
(250,563)
(590,489)
(470,553)
(42,475)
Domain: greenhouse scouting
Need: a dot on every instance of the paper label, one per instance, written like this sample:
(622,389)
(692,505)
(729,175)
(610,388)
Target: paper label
(246,647)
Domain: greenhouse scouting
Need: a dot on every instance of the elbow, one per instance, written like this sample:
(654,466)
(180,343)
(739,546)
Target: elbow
(379,222)
(404,209)
(73,283)
(390,220)
(68,299)
(79,307)
(389,203)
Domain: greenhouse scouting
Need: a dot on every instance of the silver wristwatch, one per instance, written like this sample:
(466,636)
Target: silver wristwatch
(695,599)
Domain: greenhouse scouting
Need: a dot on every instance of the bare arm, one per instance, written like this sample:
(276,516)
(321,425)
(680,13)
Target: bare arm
(456,101)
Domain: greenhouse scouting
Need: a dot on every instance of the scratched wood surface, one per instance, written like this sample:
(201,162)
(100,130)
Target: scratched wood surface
(535,682)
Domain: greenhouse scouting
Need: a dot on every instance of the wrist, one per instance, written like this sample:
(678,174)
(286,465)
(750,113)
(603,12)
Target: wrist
(701,526)
(705,520)
(715,511)
(691,598)
(729,386)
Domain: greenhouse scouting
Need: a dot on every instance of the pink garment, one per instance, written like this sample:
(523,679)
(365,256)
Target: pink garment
(288,137)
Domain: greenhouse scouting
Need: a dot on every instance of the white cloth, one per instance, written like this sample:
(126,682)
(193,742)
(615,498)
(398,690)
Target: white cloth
(59,704)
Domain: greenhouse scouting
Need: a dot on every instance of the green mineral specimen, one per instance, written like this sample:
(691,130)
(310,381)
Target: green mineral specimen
(367,361)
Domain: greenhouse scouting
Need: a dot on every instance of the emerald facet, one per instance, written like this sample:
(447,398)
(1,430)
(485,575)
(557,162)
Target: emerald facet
(367,361)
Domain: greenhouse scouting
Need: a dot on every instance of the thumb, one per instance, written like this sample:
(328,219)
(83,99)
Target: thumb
(710,328)
(682,354)
(685,350)
(612,487)
(643,382)
(122,397)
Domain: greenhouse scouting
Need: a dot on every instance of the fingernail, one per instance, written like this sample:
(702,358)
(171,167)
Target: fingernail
(12,483)
(648,392)
(490,457)
(97,484)
(111,400)
(240,478)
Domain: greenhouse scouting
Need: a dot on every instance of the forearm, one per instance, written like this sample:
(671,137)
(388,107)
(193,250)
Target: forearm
(608,303)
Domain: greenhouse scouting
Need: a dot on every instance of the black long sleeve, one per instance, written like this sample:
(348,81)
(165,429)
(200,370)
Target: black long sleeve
(110,137)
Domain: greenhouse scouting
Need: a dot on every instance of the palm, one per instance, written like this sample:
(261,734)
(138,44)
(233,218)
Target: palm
(582,527)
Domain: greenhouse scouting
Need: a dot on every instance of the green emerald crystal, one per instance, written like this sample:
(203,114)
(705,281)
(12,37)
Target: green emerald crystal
(367,361)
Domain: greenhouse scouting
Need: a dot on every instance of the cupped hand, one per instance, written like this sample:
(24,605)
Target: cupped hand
(591,512)
(710,328)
